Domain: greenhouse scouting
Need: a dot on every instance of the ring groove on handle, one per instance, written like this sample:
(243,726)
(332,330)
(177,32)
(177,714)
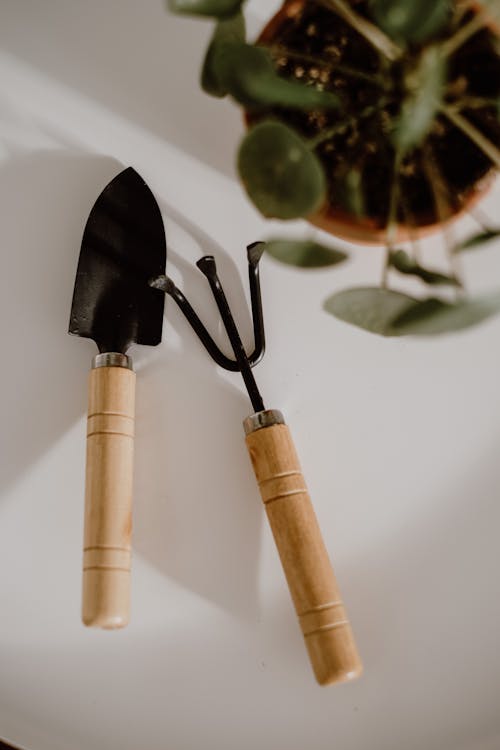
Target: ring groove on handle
(108,498)
(311,580)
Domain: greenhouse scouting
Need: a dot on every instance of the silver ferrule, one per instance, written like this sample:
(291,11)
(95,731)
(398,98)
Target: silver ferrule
(263,419)
(112,359)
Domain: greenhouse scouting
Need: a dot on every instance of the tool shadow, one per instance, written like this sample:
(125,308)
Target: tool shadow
(197,514)
(422,609)
(141,87)
(197,511)
(45,197)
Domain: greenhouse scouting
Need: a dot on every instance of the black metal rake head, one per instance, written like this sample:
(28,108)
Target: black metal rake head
(242,362)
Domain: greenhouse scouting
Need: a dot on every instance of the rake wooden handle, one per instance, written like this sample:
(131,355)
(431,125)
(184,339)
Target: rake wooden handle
(108,498)
(311,580)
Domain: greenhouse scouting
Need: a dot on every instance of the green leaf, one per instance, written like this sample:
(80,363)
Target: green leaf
(370,308)
(248,74)
(354,197)
(211,8)
(304,253)
(282,177)
(432,317)
(411,20)
(477,240)
(401,261)
(228,30)
(426,90)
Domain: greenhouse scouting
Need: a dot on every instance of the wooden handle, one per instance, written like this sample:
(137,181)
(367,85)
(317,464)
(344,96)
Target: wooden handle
(311,580)
(108,498)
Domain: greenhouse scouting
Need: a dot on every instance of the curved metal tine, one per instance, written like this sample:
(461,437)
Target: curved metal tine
(208,267)
(254,254)
(168,286)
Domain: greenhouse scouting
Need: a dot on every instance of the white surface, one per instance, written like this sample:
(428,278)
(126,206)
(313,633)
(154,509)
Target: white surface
(398,439)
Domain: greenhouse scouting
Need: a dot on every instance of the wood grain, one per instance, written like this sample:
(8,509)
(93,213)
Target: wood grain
(108,498)
(309,573)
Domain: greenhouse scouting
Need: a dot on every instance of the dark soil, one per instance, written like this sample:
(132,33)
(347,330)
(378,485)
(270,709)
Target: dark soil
(438,177)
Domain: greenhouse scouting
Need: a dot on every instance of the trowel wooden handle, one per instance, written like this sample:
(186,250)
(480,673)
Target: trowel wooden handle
(108,497)
(321,612)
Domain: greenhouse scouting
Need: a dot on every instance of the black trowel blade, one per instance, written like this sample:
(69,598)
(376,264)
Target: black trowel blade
(123,247)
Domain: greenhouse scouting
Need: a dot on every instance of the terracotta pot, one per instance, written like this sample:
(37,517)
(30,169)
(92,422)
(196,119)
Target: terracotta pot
(334,219)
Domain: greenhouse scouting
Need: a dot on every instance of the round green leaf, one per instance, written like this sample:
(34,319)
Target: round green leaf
(227,31)
(282,177)
(370,308)
(248,74)
(211,8)
(304,253)
(411,20)
(432,317)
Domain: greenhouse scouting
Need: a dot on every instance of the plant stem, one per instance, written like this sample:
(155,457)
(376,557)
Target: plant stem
(481,218)
(414,239)
(368,30)
(280,51)
(441,201)
(387,264)
(464,33)
(475,102)
(325,135)
(470,130)
(412,230)
(340,127)
(392,223)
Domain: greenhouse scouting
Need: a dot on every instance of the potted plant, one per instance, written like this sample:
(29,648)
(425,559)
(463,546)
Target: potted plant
(376,120)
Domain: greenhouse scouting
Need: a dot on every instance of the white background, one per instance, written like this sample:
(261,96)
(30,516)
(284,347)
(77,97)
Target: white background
(398,439)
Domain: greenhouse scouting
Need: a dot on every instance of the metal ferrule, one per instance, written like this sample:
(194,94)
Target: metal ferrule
(112,359)
(263,419)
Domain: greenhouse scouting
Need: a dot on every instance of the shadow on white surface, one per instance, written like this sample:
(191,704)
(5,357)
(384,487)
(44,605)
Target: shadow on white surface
(45,198)
(200,680)
(198,512)
(185,675)
(138,59)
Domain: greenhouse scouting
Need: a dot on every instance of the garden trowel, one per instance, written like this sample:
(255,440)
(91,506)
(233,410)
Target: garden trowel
(123,246)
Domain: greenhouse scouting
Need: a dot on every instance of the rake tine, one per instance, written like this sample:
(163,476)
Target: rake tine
(208,267)
(165,284)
